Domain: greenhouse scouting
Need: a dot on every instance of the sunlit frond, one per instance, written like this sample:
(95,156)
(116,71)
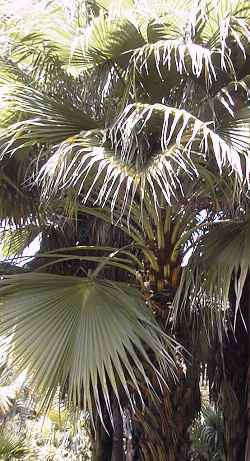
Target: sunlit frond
(132,161)
(227,25)
(178,58)
(44,64)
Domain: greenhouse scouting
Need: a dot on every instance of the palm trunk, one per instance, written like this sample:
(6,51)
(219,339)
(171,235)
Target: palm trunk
(247,449)
(107,442)
(117,439)
(102,442)
(163,424)
(234,387)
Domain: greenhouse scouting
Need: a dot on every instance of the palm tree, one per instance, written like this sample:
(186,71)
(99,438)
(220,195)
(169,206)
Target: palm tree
(138,116)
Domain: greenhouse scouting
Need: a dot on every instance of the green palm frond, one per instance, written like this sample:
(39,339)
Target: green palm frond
(231,98)
(207,435)
(107,40)
(17,207)
(42,64)
(120,258)
(163,28)
(14,241)
(30,46)
(236,132)
(167,48)
(12,446)
(174,20)
(132,161)
(80,333)
(221,257)
(227,21)
(10,71)
(173,59)
(45,119)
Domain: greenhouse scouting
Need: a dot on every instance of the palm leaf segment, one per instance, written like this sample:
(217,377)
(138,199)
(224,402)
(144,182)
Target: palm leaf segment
(144,150)
(106,41)
(81,335)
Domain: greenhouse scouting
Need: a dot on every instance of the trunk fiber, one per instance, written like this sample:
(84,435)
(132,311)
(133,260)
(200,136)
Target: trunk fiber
(163,425)
(108,443)
(235,386)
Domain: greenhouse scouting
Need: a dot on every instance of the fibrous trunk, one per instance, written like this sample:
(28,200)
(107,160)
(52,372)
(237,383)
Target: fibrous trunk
(107,443)
(163,424)
(101,441)
(234,389)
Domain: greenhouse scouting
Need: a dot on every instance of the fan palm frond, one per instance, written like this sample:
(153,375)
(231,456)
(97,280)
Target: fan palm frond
(16,205)
(220,258)
(110,257)
(163,28)
(176,58)
(137,163)
(207,435)
(236,132)
(14,241)
(45,119)
(227,21)
(107,40)
(81,334)
(43,65)
(12,446)
(229,100)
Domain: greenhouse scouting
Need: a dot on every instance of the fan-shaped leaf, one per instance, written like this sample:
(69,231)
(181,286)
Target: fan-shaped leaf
(221,256)
(12,446)
(173,59)
(45,119)
(152,143)
(14,241)
(79,334)
(107,40)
